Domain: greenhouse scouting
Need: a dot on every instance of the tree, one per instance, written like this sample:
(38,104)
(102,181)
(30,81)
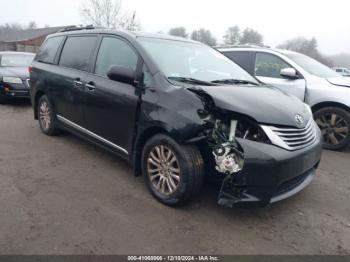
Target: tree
(300,44)
(307,47)
(7,28)
(32,25)
(178,31)
(108,13)
(204,36)
(251,36)
(232,35)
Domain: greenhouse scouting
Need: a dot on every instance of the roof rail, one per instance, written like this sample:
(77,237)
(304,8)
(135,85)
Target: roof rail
(243,45)
(74,28)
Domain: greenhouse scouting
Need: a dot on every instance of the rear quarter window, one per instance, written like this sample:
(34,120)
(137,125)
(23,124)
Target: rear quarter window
(243,59)
(48,50)
(77,52)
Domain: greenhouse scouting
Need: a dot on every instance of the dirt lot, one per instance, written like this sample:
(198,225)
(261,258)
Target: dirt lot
(62,195)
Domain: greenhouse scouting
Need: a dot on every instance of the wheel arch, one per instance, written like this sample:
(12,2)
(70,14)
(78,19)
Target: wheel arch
(141,140)
(321,105)
(38,94)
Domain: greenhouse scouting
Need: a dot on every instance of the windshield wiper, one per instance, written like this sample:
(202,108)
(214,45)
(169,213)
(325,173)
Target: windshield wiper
(191,80)
(234,81)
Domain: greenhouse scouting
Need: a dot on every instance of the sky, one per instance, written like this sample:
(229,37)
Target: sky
(277,21)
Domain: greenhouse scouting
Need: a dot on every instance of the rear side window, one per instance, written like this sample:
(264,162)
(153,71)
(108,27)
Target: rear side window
(243,58)
(77,51)
(49,50)
(114,51)
(267,65)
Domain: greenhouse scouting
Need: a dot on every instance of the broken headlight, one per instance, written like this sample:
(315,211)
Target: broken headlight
(228,154)
(224,131)
(249,130)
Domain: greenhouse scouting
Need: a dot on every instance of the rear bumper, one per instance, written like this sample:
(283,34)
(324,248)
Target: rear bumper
(270,174)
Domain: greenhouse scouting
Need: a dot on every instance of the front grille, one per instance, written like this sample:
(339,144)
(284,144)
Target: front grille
(292,138)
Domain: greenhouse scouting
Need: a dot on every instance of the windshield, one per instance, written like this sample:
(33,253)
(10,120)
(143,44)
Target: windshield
(16,60)
(312,66)
(193,61)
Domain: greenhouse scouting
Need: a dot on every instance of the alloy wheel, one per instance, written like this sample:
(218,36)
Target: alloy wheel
(334,128)
(163,170)
(45,115)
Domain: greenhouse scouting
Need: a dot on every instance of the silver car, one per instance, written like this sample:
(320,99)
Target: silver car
(326,91)
(342,70)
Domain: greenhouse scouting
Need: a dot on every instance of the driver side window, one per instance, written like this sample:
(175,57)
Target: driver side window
(114,51)
(267,65)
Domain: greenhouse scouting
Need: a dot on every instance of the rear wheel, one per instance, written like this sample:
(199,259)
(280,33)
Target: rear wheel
(46,117)
(173,172)
(334,123)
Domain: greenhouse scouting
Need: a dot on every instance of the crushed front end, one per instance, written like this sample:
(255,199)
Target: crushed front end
(252,165)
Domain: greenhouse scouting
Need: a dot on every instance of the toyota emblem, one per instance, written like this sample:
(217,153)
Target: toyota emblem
(299,120)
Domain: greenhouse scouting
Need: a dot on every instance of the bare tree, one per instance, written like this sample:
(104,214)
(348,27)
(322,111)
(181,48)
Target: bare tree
(251,36)
(204,36)
(7,28)
(307,47)
(232,35)
(178,31)
(32,25)
(108,13)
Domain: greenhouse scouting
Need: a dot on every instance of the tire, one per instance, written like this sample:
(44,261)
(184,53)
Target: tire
(334,123)
(184,176)
(46,117)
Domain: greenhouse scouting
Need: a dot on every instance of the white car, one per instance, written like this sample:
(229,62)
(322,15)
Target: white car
(326,91)
(342,70)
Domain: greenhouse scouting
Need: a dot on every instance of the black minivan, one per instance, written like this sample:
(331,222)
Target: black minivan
(179,111)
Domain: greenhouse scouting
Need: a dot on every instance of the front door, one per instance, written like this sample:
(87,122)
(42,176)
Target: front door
(267,70)
(110,106)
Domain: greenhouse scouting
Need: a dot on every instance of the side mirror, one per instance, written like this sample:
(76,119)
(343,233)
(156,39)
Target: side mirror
(289,72)
(121,74)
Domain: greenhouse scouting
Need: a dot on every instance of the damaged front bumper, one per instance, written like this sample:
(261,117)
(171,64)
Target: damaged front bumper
(270,174)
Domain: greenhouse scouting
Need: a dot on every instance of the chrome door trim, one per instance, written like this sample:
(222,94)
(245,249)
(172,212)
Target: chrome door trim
(84,130)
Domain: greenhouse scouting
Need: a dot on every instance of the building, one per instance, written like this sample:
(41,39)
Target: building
(26,40)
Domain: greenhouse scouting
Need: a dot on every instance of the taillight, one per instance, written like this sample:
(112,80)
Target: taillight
(30,69)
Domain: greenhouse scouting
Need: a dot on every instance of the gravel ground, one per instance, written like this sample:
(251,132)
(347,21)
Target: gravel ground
(61,195)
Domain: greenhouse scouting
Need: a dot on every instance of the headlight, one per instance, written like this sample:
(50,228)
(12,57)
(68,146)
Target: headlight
(241,128)
(12,80)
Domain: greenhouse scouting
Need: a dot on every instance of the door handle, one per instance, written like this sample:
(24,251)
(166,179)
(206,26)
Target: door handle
(77,83)
(90,86)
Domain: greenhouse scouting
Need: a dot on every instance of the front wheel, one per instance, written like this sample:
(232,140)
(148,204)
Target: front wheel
(334,123)
(173,173)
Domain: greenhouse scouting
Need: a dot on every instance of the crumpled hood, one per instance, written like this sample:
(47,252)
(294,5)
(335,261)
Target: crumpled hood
(339,81)
(21,72)
(266,105)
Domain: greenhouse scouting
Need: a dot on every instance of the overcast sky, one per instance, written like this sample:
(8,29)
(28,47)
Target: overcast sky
(277,20)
